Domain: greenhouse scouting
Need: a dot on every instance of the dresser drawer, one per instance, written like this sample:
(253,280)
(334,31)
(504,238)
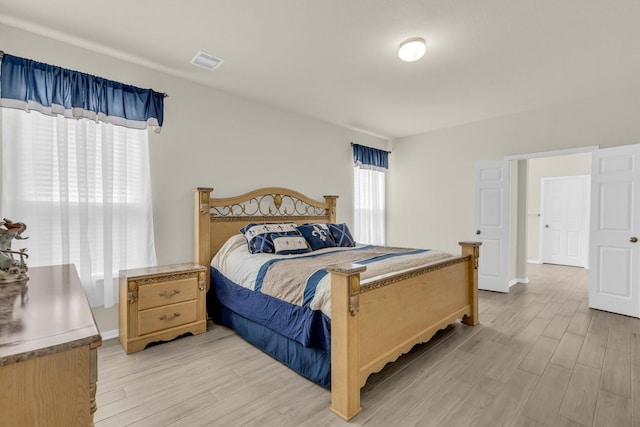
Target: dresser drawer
(169,292)
(156,319)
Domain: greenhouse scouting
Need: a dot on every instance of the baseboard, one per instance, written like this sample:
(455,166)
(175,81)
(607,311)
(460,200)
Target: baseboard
(534,261)
(109,335)
(517,280)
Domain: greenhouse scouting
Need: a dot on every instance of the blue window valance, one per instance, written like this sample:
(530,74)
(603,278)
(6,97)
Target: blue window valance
(31,85)
(370,158)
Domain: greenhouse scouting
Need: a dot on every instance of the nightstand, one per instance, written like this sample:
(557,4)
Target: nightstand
(161,303)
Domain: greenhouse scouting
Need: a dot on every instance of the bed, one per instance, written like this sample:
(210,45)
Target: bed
(373,320)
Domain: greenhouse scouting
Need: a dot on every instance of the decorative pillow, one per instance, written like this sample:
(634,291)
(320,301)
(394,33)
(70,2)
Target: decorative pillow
(259,236)
(341,235)
(289,245)
(318,236)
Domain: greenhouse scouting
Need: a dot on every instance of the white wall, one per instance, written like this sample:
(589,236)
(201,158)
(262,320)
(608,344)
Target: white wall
(430,182)
(214,139)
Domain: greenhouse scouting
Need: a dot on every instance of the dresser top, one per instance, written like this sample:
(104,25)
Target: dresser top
(48,314)
(162,270)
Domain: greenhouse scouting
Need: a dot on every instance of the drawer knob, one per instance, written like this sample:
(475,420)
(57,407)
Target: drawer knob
(165,294)
(165,317)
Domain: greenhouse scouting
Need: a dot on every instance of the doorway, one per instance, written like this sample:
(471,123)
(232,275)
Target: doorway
(516,213)
(527,172)
(546,167)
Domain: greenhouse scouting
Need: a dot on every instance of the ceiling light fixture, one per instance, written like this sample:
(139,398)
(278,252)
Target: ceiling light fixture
(412,49)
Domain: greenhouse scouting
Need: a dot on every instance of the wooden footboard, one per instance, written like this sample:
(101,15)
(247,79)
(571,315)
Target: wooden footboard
(375,322)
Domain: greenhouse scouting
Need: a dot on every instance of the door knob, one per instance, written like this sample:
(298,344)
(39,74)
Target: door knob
(634,239)
(546,226)
(477,231)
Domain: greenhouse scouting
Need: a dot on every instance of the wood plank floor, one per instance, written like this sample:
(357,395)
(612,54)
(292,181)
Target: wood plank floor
(540,357)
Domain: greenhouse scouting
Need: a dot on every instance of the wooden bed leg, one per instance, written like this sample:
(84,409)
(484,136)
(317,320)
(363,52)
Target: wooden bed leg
(345,369)
(473,249)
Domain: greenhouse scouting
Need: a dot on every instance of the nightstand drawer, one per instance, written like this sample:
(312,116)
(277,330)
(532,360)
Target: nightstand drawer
(169,292)
(166,317)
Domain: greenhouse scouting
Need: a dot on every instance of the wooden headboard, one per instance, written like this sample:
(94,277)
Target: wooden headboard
(216,220)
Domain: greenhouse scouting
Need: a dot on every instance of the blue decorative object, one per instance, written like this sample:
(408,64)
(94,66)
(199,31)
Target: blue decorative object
(341,235)
(370,158)
(31,85)
(289,245)
(318,236)
(260,236)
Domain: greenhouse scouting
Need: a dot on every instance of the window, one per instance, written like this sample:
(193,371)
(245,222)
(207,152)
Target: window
(369,206)
(83,189)
(369,173)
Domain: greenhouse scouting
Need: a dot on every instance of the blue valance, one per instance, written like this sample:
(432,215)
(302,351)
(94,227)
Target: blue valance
(30,85)
(370,158)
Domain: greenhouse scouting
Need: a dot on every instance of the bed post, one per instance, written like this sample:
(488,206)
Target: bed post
(473,249)
(331,209)
(202,237)
(345,369)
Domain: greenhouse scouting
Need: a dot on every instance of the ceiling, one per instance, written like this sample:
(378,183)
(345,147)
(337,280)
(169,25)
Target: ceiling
(336,60)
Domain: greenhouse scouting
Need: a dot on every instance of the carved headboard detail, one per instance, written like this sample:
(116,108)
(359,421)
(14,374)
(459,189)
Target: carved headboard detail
(217,219)
(278,205)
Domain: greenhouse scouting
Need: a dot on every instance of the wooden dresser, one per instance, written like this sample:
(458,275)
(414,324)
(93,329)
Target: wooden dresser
(161,303)
(48,351)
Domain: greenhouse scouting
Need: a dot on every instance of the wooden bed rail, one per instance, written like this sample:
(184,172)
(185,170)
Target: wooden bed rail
(376,322)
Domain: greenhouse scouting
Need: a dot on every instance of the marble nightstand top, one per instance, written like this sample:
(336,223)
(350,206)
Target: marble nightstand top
(162,270)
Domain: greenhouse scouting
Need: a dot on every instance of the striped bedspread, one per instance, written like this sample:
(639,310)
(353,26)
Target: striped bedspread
(302,279)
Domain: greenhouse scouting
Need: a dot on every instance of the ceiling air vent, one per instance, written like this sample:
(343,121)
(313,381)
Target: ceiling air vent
(207,61)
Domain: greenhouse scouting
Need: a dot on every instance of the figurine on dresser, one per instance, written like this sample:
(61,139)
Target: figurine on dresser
(13,266)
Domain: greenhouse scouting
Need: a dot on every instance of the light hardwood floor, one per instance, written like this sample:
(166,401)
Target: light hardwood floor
(540,357)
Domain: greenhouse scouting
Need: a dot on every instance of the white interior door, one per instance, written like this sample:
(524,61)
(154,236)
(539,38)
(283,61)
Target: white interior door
(614,281)
(565,220)
(491,218)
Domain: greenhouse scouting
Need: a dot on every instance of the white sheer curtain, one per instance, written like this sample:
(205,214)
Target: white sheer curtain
(369,206)
(83,189)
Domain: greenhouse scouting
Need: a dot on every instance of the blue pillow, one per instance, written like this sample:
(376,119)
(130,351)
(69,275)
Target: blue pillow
(260,236)
(289,245)
(341,235)
(318,236)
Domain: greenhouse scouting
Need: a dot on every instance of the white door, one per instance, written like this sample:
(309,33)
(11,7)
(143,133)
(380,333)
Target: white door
(614,280)
(565,220)
(492,182)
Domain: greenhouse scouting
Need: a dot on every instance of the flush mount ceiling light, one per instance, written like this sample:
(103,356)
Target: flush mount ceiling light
(206,61)
(412,49)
